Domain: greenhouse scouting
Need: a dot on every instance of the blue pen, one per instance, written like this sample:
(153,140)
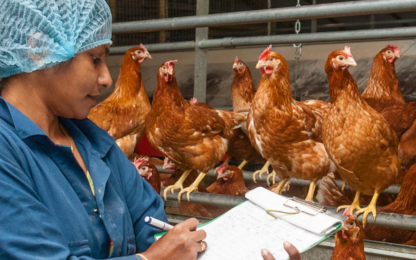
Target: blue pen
(158,223)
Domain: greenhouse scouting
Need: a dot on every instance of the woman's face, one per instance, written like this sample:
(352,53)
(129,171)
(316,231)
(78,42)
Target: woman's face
(72,88)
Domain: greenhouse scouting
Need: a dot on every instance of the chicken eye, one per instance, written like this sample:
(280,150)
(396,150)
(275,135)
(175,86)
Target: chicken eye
(228,171)
(241,63)
(164,67)
(351,223)
(340,58)
(271,59)
(388,52)
(138,52)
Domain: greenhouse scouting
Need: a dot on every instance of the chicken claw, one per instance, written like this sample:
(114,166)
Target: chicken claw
(225,162)
(260,172)
(355,204)
(280,186)
(271,176)
(193,187)
(371,208)
(178,185)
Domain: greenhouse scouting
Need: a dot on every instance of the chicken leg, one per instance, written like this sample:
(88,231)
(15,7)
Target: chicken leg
(225,162)
(371,208)
(242,165)
(193,187)
(271,176)
(177,185)
(355,204)
(280,186)
(311,190)
(260,172)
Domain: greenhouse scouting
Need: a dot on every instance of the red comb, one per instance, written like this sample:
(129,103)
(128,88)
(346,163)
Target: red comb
(346,212)
(170,63)
(222,168)
(140,161)
(394,47)
(347,51)
(263,56)
(142,46)
(236,59)
(193,101)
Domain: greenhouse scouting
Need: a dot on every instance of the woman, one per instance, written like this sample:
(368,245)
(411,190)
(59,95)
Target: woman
(67,191)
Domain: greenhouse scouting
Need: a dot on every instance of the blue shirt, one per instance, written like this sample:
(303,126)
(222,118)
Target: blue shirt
(47,209)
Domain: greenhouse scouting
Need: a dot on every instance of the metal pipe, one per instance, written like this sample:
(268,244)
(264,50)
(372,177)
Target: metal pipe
(399,221)
(376,34)
(271,15)
(248,176)
(158,47)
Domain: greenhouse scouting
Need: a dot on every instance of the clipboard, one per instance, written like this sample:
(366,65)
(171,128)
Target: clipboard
(299,206)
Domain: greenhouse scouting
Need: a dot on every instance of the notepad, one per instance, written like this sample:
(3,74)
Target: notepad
(244,230)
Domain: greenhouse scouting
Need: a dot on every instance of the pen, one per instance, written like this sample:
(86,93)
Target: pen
(158,223)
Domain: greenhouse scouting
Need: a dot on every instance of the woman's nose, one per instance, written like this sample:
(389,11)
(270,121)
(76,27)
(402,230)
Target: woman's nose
(104,78)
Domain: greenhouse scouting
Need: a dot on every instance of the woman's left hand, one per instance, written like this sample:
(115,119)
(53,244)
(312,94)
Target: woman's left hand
(291,250)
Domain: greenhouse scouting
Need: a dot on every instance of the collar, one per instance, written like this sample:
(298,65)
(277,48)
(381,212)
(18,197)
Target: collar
(83,131)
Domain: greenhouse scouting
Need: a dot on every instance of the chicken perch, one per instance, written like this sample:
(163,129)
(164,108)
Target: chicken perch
(194,137)
(359,140)
(285,132)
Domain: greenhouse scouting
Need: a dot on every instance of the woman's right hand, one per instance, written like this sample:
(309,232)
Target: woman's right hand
(182,242)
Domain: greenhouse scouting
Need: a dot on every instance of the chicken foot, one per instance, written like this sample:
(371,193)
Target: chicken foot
(264,169)
(271,176)
(227,161)
(192,187)
(355,204)
(371,208)
(311,190)
(280,186)
(178,185)
(242,164)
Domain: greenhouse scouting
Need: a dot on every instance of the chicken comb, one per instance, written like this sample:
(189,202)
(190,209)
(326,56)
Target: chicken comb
(236,59)
(140,161)
(347,212)
(394,47)
(170,63)
(222,168)
(142,46)
(193,101)
(263,56)
(347,51)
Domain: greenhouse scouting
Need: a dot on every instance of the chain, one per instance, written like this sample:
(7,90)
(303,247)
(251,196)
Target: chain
(298,53)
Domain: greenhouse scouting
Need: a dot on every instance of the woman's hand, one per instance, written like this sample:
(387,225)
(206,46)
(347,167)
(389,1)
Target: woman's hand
(182,242)
(291,250)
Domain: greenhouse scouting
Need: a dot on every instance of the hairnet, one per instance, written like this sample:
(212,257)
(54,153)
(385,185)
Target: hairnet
(37,34)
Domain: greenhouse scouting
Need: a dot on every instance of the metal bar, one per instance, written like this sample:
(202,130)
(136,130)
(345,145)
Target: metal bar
(399,221)
(314,22)
(248,176)
(158,47)
(201,59)
(376,34)
(273,15)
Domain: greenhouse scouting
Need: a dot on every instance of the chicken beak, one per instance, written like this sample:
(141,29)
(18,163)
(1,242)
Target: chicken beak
(260,64)
(147,55)
(165,166)
(351,62)
(397,55)
(234,65)
(170,71)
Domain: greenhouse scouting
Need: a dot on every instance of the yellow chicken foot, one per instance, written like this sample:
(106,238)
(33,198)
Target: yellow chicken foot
(193,187)
(225,162)
(311,191)
(242,165)
(260,172)
(280,186)
(271,176)
(178,185)
(371,208)
(355,204)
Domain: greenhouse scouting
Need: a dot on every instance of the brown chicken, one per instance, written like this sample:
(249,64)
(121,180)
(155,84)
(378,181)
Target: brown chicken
(358,139)
(230,181)
(148,172)
(194,137)
(123,113)
(286,132)
(405,203)
(349,241)
(383,86)
(190,208)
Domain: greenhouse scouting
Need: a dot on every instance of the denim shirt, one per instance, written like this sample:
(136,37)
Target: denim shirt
(47,209)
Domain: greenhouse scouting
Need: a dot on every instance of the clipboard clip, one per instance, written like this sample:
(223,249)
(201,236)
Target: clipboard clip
(316,209)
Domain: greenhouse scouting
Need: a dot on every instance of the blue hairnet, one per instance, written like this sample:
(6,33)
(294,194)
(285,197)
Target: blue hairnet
(37,34)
